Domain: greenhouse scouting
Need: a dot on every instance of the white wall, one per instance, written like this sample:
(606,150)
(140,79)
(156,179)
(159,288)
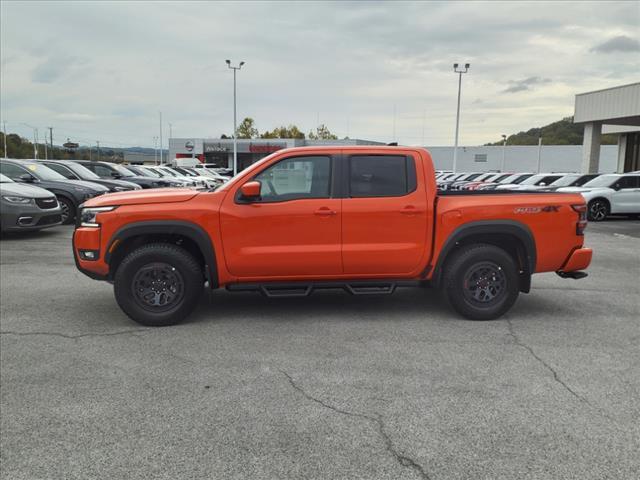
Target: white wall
(554,158)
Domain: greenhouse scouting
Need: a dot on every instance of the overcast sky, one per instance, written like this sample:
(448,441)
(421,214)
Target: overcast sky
(103,71)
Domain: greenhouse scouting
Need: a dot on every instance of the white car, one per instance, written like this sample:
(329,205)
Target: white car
(611,193)
(538,180)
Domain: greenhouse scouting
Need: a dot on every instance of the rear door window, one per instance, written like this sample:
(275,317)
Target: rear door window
(381,175)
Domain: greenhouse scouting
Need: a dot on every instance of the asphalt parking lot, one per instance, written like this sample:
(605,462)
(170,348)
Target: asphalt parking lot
(330,386)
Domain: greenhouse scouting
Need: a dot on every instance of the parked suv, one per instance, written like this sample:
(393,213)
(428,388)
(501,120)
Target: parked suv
(110,171)
(26,207)
(611,193)
(70,193)
(74,171)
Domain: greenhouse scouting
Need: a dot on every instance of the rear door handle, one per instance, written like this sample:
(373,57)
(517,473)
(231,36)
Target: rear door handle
(410,210)
(324,212)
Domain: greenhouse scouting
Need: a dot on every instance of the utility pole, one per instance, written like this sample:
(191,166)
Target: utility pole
(98,144)
(235,120)
(51,140)
(539,153)
(504,152)
(455,147)
(90,152)
(170,131)
(46,153)
(160,138)
(155,150)
(35,143)
(6,155)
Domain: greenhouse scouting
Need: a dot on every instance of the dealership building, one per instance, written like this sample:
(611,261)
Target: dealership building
(613,110)
(250,150)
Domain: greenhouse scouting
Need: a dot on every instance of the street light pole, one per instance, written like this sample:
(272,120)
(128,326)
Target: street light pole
(455,147)
(235,120)
(504,152)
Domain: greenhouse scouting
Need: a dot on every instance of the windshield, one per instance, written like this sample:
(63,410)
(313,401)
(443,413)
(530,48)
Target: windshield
(168,172)
(565,181)
(43,173)
(83,172)
(535,179)
(123,171)
(150,172)
(4,179)
(602,181)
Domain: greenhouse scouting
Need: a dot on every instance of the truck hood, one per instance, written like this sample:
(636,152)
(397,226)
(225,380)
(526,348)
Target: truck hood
(139,197)
(24,190)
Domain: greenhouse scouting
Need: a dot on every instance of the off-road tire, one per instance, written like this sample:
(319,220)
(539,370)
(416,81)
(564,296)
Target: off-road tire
(467,264)
(181,266)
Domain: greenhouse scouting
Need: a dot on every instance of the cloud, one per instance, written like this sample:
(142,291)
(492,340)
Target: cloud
(346,64)
(55,67)
(526,84)
(620,43)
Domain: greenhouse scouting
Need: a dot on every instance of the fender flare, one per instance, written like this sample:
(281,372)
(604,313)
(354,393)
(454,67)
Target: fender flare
(172,227)
(492,227)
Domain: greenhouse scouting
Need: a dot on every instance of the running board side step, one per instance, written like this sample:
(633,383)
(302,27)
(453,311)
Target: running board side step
(304,289)
(577,275)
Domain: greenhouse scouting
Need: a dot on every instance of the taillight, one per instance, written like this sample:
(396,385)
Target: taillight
(581,210)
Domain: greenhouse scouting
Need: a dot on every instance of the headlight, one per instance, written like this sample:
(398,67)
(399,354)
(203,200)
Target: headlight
(88,215)
(120,189)
(19,200)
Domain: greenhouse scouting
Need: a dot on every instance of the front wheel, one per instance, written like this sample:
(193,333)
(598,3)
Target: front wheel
(481,282)
(598,210)
(158,284)
(67,210)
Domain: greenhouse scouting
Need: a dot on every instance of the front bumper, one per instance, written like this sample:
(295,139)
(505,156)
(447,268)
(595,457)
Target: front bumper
(19,219)
(88,239)
(579,259)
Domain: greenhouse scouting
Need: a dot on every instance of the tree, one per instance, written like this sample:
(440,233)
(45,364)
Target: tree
(322,133)
(247,128)
(563,132)
(292,131)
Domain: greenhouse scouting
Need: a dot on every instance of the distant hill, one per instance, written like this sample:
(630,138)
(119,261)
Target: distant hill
(564,132)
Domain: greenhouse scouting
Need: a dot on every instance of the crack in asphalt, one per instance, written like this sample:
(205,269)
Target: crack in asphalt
(73,337)
(377,420)
(553,371)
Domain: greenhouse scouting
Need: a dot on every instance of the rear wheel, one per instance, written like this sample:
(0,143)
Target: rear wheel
(481,282)
(158,284)
(67,210)
(598,210)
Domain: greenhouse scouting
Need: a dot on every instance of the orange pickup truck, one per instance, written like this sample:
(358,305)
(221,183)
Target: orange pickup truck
(364,219)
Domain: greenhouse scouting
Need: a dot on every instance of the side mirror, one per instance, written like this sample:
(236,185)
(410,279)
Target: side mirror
(27,178)
(251,190)
(116,175)
(542,184)
(616,186)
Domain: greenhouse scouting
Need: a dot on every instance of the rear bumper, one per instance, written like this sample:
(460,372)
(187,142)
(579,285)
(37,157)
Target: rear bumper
(579,259)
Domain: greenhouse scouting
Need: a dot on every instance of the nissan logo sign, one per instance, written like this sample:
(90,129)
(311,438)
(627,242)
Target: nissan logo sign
(189,146)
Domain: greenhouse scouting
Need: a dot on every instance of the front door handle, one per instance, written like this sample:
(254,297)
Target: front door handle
(324,212)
